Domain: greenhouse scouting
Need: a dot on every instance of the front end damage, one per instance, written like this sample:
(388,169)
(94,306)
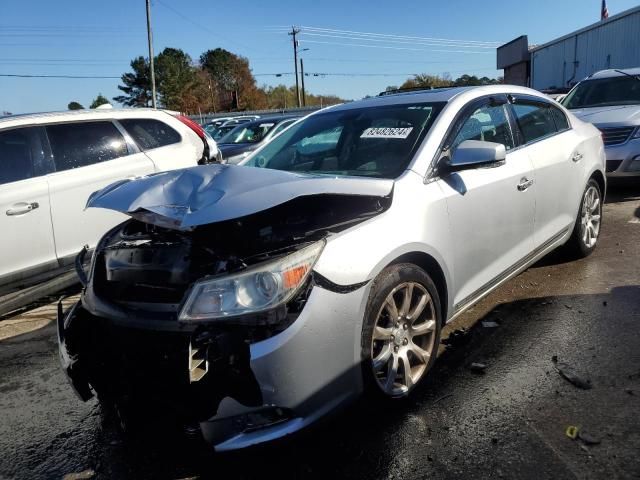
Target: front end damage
(243,379)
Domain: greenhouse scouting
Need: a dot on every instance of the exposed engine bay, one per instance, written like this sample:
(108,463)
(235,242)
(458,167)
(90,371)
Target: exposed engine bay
(125,341)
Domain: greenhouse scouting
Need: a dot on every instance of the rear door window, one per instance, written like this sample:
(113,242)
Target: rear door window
(149,133)
(560,118)
(77,145)
(535,120)
(21,154)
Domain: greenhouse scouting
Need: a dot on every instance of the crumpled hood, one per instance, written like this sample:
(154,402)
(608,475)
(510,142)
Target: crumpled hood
(182,199)
(610,116)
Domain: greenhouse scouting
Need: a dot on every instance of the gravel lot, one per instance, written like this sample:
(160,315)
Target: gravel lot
(508,421)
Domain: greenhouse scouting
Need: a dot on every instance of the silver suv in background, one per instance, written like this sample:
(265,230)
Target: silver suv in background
(610,100)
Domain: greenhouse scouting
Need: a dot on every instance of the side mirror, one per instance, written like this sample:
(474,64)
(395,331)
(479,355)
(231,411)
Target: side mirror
(475,153)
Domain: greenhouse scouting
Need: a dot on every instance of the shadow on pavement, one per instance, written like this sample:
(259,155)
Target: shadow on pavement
(622,190)
(459,424)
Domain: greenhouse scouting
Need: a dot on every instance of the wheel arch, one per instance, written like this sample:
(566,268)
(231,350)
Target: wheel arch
(430,265)
(599,177)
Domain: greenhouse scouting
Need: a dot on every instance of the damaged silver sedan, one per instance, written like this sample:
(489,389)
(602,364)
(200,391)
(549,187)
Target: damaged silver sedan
(250,301)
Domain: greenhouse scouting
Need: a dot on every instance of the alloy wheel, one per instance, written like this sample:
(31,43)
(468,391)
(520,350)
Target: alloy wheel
(403,338)
(590,216)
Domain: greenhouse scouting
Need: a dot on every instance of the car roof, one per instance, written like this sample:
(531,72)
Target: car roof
(436,95)
(614,73)
(277,119)
(79,115)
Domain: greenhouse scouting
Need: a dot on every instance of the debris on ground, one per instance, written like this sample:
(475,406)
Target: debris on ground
(84,475)
(490,324)
(569,374)
(571,432)
(604,303)
(457,337)
(588,439)
(478,367)
(568,306)
(574,432)
(629,391)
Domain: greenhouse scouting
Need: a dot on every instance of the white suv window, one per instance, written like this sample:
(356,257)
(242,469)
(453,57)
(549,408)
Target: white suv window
(80,144)
(21,155)
(149,133)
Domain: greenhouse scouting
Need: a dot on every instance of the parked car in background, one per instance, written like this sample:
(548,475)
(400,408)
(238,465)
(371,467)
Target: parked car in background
(222,126)
(244,139)
(610,99)
(219,132)
(50,164)
(250,301)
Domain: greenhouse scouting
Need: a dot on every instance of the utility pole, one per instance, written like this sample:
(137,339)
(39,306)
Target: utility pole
(304,97)
(151,66)
(294,31)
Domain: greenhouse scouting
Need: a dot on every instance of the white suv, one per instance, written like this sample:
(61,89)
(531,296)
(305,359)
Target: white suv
(49,165)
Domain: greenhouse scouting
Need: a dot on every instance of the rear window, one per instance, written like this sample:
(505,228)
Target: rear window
(81,144)
(149,133)
(374,141)
(535,120)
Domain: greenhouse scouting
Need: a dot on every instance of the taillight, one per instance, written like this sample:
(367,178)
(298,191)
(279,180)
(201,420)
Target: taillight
(192,125)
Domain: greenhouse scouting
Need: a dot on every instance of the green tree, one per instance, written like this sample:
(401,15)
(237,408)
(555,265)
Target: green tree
(136,85)
(99,100)
(231,75)
(74,106)
(175,76)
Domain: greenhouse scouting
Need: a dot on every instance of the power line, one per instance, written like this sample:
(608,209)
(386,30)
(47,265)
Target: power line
(202,27)
(394,48)
(16,75)
(402,37)
(402,42)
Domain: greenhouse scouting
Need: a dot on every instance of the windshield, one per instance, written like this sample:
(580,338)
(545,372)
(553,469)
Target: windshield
(222,131)
(604,92)
(376,142)
(248,133)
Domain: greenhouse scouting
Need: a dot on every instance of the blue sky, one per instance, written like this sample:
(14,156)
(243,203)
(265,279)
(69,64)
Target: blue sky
(74,37)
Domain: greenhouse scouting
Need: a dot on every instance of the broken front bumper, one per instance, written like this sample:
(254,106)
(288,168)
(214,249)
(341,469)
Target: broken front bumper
(251,393)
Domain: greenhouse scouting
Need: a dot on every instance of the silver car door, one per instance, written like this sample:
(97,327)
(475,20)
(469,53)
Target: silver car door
(491,209)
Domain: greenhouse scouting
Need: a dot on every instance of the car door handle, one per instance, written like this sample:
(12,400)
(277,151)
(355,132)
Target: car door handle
(576,157)
(22,207)
(524,184)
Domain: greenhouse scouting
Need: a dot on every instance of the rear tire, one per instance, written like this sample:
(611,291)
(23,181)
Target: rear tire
(401,331)
(586,231)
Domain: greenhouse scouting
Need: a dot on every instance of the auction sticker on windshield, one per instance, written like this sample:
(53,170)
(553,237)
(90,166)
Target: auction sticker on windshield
(386,132)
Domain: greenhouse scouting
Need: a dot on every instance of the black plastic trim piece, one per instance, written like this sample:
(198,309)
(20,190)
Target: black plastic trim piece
(323,282)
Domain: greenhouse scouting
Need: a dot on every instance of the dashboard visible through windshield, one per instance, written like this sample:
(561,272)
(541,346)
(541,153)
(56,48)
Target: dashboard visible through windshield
(374,141)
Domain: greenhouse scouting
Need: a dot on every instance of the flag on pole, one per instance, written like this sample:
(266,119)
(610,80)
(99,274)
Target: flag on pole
(604,11)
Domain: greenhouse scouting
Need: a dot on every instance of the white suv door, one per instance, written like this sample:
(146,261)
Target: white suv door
(26,242)
(88,156)
(491,209)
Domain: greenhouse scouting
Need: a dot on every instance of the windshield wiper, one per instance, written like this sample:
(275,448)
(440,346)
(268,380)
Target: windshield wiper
(636,77)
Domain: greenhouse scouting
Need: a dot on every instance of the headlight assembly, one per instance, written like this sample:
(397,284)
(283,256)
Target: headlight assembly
(257,289)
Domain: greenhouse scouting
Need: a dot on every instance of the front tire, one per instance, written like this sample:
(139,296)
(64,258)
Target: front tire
(401,331)
(587,227)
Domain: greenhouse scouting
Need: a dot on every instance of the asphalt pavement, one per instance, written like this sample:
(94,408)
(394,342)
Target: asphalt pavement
(507,420)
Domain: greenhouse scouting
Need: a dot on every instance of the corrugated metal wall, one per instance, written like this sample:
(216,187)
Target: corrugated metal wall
(611,44)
